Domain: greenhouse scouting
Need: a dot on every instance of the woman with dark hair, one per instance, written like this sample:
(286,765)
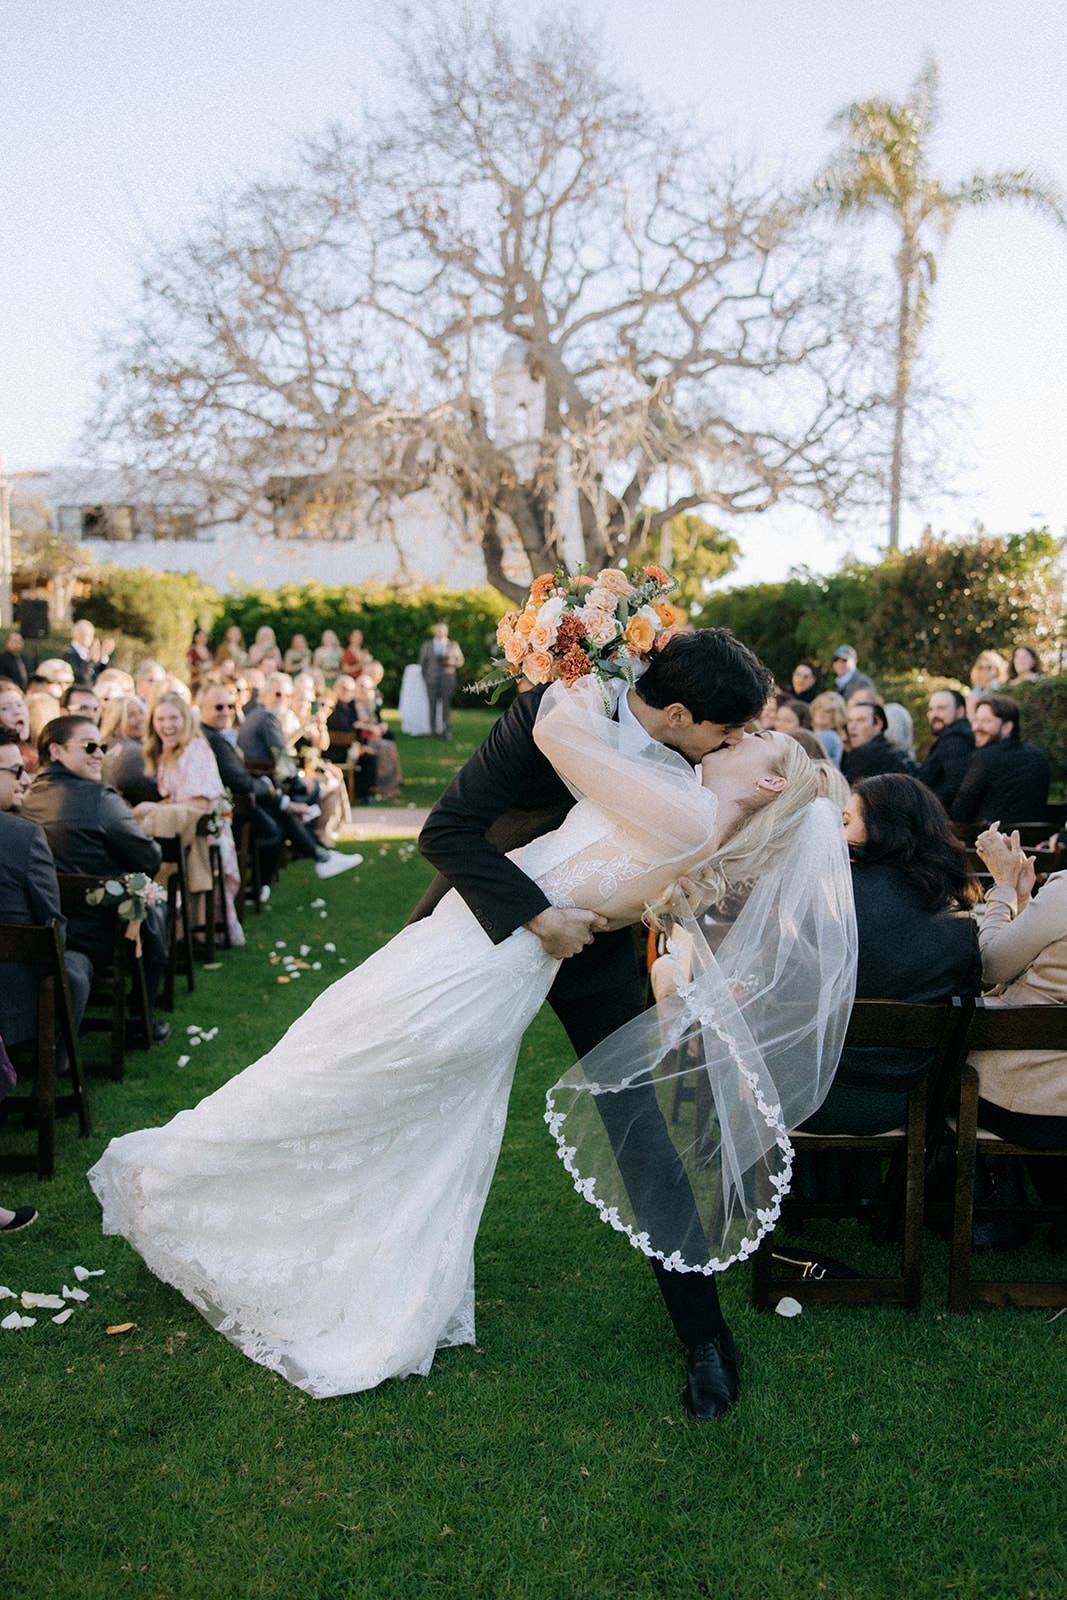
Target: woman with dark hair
(1025,665)
(917,938)
(791,716)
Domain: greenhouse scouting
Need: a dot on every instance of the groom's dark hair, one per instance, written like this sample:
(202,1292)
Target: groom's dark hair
(712,674)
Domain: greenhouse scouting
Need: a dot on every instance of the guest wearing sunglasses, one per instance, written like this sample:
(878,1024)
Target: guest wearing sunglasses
(91,829)
(29,895)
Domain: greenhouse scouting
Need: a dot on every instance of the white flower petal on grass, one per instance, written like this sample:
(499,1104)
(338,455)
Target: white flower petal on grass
(788,1307)
(183,1061)
(7,1294)
(81,1273)
(316,966)
(74,1294)
(41,1302)
(305,949)
(330,947)
(317,905)
(322,914)
(14,1320)
(192,1029)
(64,1316)
(279,944)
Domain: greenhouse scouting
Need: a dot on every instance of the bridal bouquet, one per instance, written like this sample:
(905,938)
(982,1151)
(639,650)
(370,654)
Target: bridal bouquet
(607,625)
(132,894)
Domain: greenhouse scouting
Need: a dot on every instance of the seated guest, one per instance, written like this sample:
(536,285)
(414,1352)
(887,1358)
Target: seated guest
(198,657)
(900,731)
(232,649)
(950,754)
(377,737)
(829,719)
(53,676)
(91,829)
(305,729)
(847,675)
(869,751)
(123,730)
(148,677)
(345,718)
(355,658)
(791,716)
(261,734)
(80,701)
(805,682)
(277,816)
(1025,665)
(327,655)
(1007,779)
(186,773)
(29,894)
(917,939)
(298,655)
(989,673)
(1024,956)
(12,665)
(111,684)
(15,715)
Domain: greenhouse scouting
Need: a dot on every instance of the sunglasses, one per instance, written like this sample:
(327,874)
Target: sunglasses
(16,772)
(223,705)
(91,746)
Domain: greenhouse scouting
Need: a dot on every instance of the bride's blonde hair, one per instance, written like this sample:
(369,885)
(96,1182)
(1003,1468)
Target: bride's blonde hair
(764,831)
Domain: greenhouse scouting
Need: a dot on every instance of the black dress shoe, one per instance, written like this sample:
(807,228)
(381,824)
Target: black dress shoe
(137,1039)
(711,1383)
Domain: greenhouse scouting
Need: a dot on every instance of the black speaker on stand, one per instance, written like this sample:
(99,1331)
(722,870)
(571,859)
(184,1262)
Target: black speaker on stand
(33,623)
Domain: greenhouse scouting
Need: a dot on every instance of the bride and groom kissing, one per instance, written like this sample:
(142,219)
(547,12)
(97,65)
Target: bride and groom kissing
(320,1209)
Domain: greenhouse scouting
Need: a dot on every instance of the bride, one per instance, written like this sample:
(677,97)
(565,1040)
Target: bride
(320,1209)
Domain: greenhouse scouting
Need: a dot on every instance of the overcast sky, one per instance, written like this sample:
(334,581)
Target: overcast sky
(118,117)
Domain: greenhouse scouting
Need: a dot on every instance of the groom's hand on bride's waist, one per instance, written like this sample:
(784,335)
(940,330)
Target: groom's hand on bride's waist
(564,930)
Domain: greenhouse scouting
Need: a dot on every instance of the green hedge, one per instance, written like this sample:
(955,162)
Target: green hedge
(395,624)
(155,612)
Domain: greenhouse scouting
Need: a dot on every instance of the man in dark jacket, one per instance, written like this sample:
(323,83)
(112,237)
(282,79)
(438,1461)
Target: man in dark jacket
(869,750)
(276,817)
(29,894)
(1006,779)
(953,745)
(91,829)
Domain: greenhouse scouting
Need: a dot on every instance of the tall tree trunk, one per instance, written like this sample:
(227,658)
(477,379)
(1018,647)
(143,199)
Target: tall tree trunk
(900,399)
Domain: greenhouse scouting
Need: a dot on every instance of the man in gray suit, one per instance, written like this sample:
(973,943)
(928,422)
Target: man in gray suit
(29,895)
(440,659)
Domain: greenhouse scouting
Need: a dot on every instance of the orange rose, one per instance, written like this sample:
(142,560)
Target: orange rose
(657,574)
(666,614)
(663,639)
(538,666)
(583,581)
(640,633)
(542,587)
(525,623)
(617,582)
(514,650)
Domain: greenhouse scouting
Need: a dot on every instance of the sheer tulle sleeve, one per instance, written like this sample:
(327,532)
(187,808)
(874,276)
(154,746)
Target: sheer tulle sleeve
(651,793)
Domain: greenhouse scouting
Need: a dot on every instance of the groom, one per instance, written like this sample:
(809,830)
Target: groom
(695,698)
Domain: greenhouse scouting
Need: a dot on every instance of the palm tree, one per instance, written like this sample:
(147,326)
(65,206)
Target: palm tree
(883,167)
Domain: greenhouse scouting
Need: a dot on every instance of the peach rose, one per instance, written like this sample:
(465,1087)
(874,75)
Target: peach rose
(583,581)
(506,627)
(514,650)
(542,635)
(526,622)
(600,599)
(663,639)
(657,574)
(602,629)
(538,666)
(614,580)
(640,633)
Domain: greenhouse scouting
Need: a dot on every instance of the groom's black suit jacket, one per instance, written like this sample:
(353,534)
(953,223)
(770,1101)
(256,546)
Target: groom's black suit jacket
(507,794)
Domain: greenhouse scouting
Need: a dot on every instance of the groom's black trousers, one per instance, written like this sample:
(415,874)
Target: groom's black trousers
(646,1156)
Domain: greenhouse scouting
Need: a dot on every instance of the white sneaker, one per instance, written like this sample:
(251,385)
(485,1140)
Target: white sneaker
(336,862)
(264,893)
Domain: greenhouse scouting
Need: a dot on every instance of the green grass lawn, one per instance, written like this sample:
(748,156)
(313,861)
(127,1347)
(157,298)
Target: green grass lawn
(875,1453)
(428,764)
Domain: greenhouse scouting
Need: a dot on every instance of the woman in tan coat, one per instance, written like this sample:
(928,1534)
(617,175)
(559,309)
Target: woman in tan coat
(1024,956)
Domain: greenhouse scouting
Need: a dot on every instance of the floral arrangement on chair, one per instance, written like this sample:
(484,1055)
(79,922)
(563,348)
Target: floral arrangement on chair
(220,812)
(132,895)
(607,625)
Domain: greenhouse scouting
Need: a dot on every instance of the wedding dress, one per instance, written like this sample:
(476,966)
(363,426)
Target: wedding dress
(320,1209)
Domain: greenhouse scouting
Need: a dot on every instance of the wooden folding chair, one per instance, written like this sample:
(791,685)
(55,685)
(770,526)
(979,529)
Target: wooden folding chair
(248,859)
(42,947)
(109,1010)
(902,1025)
(179,931)
(999,1028)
